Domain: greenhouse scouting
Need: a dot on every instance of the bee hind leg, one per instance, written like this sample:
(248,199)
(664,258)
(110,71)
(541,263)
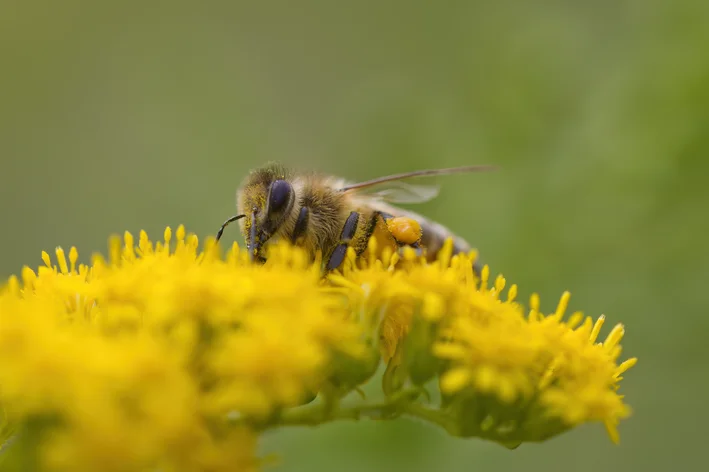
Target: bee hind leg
(418,250)
(405,231)
(348,231)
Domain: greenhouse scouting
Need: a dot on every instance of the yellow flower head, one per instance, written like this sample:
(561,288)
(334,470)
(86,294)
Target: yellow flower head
(136,357)
(165,355)
(504,374)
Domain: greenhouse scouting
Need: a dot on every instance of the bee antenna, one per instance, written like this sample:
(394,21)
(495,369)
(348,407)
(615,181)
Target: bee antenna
(226,223)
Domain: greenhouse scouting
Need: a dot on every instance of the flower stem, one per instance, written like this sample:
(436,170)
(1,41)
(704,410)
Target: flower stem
(326,411)
(317,414)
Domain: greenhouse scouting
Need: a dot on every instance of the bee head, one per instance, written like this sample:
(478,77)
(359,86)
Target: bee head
(266,199)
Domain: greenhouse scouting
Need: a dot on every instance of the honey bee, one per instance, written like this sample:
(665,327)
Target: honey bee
(328,214)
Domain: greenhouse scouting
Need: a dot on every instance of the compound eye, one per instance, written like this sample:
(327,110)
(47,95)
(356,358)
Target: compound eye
(279,196)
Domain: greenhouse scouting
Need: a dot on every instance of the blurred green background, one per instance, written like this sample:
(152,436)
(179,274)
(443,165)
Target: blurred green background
(126,115)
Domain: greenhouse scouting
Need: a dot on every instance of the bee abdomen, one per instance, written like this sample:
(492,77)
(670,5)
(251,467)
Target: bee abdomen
(434,237)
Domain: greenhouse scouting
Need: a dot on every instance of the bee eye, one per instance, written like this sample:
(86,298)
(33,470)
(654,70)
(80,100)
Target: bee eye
(279,196)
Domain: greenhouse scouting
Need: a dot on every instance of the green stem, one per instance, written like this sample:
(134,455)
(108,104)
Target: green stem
(315,415)
(330,409)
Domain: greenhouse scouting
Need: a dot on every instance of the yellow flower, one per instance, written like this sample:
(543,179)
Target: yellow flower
(168,356)
(142,357)
(503,375)
(545,374)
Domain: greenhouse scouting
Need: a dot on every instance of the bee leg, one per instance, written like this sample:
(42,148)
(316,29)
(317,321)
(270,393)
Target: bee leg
(348,231)
(301,224)
(401,231)
(403,237)
(418,250)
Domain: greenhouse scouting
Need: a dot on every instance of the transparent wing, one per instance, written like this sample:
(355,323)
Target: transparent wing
(393,189)
(401,192)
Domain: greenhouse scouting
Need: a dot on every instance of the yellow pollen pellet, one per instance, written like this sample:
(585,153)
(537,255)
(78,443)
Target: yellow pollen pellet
(405,230)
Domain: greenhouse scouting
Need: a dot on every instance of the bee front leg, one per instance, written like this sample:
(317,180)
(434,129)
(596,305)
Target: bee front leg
(348,231)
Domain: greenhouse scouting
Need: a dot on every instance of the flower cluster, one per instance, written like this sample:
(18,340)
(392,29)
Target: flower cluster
(167,356)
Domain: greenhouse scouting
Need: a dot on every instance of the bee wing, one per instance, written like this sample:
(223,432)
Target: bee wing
(393,189)
(401,192)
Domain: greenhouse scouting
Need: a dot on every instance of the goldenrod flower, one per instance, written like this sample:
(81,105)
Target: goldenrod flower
(503,374)
(165,356)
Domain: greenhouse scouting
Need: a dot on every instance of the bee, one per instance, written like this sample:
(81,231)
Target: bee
(328,214)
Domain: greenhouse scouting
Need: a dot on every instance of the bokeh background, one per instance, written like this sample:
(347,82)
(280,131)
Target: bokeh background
(136,115)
